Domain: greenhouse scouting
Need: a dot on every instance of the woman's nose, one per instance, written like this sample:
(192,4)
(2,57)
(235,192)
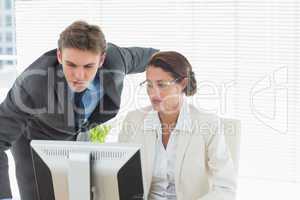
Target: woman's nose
(154,92)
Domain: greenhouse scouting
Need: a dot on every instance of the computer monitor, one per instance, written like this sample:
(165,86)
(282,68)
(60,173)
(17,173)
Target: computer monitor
(84,170)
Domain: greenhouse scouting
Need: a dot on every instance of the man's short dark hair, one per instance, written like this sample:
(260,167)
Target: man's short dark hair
(83,36)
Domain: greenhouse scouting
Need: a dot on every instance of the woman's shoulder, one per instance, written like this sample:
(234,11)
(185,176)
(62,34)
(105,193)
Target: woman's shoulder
(200,114)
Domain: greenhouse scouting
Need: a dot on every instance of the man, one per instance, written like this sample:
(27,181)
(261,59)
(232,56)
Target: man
(63,93)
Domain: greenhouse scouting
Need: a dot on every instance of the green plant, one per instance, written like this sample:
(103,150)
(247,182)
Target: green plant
(99,133)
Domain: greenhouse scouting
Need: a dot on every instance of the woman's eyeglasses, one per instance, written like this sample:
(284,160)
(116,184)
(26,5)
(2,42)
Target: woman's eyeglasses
(161,84)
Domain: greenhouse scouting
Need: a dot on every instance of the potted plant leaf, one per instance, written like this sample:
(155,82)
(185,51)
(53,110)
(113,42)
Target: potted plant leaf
(99,133)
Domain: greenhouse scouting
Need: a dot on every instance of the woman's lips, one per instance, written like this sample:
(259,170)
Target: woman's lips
(155,102)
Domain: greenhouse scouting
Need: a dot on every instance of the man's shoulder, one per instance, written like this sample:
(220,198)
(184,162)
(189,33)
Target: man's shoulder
(45,61)
(112,52)
(42,65)
(35,78)
(197,113)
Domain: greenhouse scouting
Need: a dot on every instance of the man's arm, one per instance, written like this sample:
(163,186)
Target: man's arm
(136,58)
(5,191)
(12,125)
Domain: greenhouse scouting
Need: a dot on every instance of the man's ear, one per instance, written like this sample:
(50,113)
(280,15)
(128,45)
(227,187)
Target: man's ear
(102,59)
(59,56)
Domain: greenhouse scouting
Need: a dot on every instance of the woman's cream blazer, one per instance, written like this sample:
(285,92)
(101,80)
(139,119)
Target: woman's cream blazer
(204,168)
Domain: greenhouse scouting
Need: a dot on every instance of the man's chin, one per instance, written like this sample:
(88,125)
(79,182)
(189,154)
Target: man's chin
(78,88)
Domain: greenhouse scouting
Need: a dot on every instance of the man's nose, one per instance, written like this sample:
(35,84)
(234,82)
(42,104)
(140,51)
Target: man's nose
(79,73)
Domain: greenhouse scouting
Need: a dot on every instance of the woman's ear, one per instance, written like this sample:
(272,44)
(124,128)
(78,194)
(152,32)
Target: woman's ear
(184,83)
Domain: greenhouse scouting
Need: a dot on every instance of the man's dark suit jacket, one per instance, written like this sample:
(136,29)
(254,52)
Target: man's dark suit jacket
(38,107)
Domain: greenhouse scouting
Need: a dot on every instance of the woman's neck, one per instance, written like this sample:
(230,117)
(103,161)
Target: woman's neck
(168,122)
(169,119)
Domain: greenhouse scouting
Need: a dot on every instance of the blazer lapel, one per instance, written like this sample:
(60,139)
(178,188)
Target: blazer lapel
(151,127)
(183,141)
(149,145)
(183,127)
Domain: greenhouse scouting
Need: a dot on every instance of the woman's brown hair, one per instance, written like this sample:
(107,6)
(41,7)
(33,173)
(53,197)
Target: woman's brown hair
(177,66)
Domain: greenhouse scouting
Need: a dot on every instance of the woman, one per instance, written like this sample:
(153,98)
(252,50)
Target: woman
(184,155)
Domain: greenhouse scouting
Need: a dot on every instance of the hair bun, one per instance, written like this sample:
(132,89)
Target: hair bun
(191,88)
(191,74)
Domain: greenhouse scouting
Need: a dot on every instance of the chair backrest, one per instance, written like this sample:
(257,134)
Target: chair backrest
(232,132)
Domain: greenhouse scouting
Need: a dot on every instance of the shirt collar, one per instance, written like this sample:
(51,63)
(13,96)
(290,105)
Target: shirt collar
(184,120)
(94,85)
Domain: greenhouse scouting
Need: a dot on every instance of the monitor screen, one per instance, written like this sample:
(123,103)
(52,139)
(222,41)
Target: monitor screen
(84,170)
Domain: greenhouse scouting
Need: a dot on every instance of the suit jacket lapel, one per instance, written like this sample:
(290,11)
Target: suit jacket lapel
(109,105)
(112,82)
(64,104)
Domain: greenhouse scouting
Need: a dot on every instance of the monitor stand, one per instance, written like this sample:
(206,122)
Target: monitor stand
(79,176)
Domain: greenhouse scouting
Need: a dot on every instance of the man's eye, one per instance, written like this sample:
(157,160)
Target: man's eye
(70,65)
